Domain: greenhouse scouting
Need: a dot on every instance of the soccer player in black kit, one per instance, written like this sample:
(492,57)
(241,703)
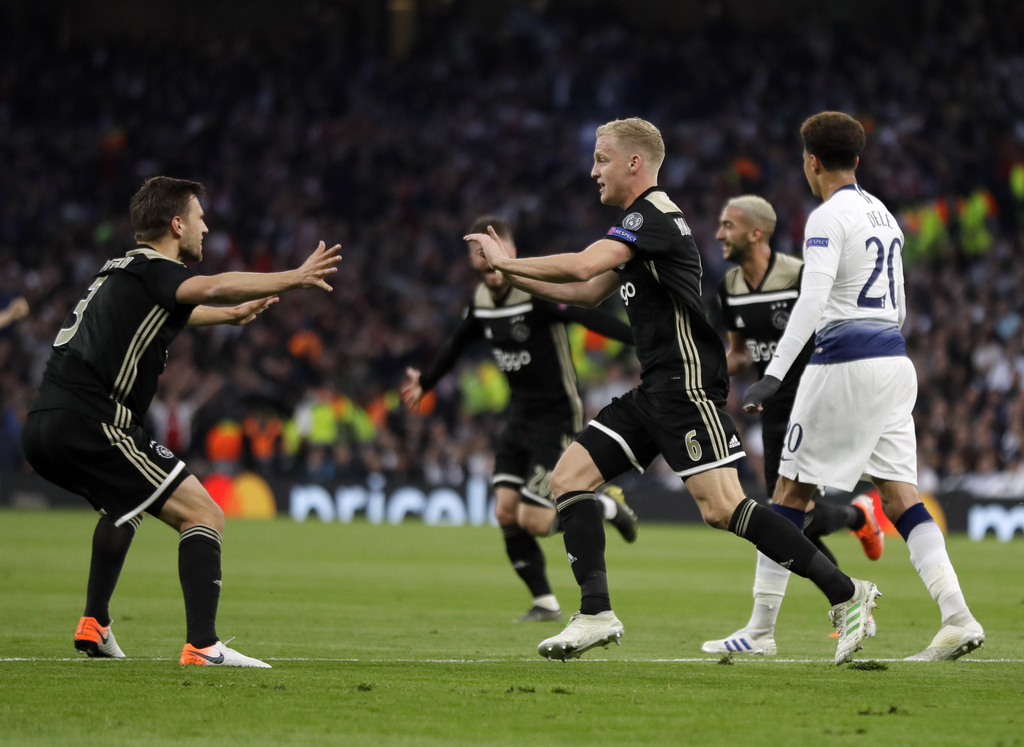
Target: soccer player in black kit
(757,297)
(530,344)
(650,258)
(84,430)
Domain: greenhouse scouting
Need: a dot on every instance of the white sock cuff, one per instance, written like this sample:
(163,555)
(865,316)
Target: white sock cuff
(609,505)
(547,601)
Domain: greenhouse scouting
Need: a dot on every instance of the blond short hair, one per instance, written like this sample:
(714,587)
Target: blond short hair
(639,136)
(758,210)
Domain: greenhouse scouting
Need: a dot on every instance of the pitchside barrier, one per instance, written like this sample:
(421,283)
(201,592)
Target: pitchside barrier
(379,500)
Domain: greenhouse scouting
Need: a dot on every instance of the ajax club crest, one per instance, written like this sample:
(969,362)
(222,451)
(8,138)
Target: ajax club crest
(633,221)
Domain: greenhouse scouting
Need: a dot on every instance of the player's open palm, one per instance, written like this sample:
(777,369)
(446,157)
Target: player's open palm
(246,312)
(411,390)
(491,246)
(318,266)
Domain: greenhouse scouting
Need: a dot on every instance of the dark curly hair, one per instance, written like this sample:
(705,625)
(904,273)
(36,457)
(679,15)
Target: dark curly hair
(835,138)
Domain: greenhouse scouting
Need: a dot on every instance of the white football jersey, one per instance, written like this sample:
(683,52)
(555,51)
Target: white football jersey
(853,238)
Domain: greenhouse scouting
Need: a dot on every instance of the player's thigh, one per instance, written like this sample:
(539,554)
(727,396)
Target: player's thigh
(119,470)
(576,470)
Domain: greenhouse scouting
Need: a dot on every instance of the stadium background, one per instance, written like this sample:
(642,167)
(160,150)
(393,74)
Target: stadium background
(388,126)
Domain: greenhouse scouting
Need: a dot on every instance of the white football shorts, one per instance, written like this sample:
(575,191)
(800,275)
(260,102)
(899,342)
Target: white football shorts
(853,419)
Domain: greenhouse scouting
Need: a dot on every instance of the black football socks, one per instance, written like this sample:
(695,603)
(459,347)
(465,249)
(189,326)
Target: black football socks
(110,545)
(784,542)
(527,559)
(826,518)
(583,532)
(199,571)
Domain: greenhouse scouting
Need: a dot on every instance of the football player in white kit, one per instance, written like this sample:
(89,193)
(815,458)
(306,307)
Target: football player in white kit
(853,413)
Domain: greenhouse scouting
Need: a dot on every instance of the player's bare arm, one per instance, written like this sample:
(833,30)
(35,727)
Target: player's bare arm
(588,294)
(411,390)
(205,316)
(584,279)
(738,355)
(16,309)
(240,287)
(596,259)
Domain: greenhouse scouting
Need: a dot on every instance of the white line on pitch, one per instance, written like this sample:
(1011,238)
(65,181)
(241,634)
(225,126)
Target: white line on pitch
(695,660)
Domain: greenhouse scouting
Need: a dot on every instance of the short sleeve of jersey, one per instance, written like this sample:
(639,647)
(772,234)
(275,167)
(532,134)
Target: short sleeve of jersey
(161,279)
(823,241)
(648,231)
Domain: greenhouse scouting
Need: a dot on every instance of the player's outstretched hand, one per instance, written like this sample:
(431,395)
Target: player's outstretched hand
(246,312)
(411,390)
(18,308)
(318,266)
(759,391)
(491,246)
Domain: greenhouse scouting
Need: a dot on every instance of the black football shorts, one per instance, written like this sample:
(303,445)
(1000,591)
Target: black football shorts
(694,434)
(527,451)
(119,470)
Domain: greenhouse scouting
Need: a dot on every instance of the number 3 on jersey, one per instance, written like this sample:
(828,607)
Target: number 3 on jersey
(884,259)
(67,333)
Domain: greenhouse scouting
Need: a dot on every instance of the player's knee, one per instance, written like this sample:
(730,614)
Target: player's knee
(575,470)
(717,494)
(216,517)
(196,508)
(716,517)
(506,505)
(505,515)
(566,479)
(207,514)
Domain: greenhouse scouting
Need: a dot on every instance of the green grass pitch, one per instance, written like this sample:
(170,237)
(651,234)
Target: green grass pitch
(403,635)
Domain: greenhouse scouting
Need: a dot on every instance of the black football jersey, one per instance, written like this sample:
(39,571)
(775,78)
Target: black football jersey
(530,344)
(112,348)
(661,288)
(760,315)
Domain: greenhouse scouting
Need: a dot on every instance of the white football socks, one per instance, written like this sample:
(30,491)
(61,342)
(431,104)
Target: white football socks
(770,581)
(928,554)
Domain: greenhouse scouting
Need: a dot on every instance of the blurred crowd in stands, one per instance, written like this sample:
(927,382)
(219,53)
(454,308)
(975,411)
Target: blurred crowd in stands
(394,158)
